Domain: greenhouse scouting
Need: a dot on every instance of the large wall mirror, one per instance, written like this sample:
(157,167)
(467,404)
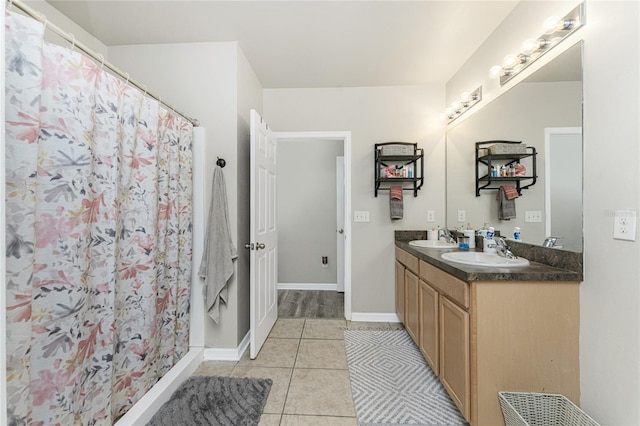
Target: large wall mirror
(543,111)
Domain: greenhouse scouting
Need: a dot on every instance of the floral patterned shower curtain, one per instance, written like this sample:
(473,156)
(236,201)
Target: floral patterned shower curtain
(98,184)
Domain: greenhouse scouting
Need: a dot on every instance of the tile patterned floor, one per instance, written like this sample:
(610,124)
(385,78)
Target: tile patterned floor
(307,362)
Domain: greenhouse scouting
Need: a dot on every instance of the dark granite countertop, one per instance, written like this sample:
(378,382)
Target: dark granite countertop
(536,271)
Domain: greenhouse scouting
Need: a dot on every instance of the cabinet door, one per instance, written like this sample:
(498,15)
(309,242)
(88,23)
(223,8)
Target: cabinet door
(400,291)
(428,300)
(454,354)
(411,287)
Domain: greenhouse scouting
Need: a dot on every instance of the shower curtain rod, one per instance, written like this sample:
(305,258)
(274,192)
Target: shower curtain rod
(97,57)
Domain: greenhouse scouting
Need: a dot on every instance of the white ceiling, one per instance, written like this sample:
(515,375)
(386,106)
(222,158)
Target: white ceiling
(309,43)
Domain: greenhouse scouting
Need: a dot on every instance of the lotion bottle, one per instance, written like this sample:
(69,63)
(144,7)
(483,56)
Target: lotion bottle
(489,241)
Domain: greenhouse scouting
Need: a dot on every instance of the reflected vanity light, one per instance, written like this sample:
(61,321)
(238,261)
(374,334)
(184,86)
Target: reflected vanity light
(554,30)
(467,100)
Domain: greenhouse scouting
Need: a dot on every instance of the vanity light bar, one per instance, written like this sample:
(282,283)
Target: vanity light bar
(555,30)
(467,100)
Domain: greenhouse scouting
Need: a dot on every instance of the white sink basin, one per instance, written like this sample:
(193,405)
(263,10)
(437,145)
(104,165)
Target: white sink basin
(433,244)
(475,258)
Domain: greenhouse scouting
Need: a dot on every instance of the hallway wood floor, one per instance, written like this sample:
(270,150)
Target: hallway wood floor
(310,304)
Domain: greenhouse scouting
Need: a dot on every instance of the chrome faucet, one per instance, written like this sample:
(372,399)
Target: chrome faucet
(503,249)
(446,235)
(550,242)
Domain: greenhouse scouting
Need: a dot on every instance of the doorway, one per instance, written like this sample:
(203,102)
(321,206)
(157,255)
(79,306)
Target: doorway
(563,186)
(300,198)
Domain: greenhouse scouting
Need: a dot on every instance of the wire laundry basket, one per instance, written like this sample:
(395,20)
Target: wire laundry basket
(541,409)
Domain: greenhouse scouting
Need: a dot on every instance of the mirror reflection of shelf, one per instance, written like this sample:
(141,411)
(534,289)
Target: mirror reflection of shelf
(492,161)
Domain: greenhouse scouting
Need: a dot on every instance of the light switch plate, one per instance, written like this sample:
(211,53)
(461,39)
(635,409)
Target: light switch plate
(431,216)
(462,216)
(624,225)
(361,216)
(533,216)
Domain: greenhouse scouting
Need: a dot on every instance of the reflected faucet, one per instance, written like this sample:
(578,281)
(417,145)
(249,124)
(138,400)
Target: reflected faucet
(551,242)
(503,249)
(444,234)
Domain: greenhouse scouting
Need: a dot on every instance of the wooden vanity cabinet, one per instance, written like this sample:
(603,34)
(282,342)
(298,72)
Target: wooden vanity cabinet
(448,340)
(412,316)
(407,292)
(429,326)
(482,337)
(400,291)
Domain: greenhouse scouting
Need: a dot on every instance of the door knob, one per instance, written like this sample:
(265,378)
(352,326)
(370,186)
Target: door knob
(260,246)
(340,231)
(249,246)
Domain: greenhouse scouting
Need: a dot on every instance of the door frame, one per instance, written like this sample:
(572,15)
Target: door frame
(345,137)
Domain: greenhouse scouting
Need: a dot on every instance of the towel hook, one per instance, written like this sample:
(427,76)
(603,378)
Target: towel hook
(221,162)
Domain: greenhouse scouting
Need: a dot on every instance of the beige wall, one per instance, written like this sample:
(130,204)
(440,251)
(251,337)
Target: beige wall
(61,21)
(372,114)
(307,210)
(610,294)
(249,97)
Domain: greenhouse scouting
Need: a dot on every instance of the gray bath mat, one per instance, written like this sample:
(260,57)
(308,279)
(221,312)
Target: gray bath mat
(392,384)
(214,401)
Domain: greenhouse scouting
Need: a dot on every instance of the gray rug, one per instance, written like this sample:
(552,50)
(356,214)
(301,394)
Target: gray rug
(392,384)
(208,400)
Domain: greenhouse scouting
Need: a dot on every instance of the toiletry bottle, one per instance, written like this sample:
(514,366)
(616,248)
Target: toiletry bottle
(516,233)
(488,242)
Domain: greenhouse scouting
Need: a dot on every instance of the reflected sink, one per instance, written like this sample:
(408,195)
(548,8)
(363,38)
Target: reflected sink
(484,259)
(433,244)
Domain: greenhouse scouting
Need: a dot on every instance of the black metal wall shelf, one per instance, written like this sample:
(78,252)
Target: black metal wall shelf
(410,163)
(490,160)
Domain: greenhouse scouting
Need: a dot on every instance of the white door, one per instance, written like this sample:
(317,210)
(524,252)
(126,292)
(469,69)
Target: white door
(340,235)
(264,234)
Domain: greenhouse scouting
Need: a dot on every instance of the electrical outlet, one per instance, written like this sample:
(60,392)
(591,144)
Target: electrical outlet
(361,216)
(431,216)
(533,216)
(462,216)
(325,261)
(624,225)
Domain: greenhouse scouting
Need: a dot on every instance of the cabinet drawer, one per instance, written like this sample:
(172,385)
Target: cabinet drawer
(447,284)
(408,260)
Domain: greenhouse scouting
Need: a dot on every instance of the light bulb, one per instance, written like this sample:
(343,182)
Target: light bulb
(494,71)
(456,105)
(450,112)
(551,24)
(529,46)
(465,97)
(509,61)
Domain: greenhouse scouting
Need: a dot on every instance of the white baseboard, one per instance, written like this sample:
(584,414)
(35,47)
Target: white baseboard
(374,317)
(232,354)
(150,403)
(307,286)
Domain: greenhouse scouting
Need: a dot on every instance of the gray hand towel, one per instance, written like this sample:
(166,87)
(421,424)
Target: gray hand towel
(506,207)
(219,252)
(396,205)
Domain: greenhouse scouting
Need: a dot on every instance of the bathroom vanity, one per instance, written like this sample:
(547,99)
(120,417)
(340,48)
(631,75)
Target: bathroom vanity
(484,330)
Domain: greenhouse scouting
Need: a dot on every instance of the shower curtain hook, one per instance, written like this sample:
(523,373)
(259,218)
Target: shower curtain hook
(126,83)
(145,90)
(73,41)
(101,61)
(10,4)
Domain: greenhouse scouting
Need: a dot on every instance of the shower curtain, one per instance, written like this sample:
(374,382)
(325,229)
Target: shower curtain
(98,184)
